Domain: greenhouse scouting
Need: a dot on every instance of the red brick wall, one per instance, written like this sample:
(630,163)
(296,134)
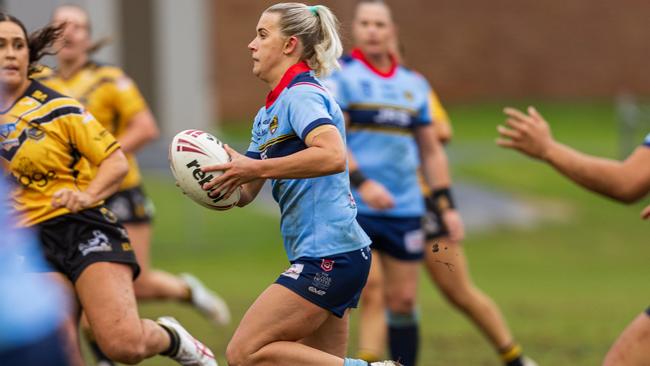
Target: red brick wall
(475,49)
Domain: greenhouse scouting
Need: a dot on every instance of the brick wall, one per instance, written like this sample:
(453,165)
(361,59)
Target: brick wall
(475,49)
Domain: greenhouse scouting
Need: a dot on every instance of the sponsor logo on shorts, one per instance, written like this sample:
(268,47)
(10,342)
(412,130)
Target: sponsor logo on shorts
(108,215)
(316,291)
(127,247)
(119,205)
(322,281)
(414,241)
(98,243)
(294,271)
(123,233)
(327,265)
(363,253)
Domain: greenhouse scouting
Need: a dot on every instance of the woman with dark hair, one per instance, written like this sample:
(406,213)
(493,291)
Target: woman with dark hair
(48,142)
(114,99)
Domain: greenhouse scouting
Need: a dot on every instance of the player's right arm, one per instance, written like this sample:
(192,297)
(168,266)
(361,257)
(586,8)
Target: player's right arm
(625,181)
(97,145)
(373,193)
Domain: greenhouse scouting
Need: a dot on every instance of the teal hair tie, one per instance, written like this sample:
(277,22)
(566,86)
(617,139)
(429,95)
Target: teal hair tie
(314,10)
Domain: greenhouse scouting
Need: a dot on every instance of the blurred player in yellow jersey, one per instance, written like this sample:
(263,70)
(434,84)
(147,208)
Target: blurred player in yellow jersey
(116,102)
(47,141)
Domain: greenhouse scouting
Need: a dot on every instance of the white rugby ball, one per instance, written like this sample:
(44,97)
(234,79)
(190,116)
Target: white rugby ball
(191,150)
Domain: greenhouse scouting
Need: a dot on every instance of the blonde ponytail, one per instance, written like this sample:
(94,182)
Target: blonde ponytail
(317,28)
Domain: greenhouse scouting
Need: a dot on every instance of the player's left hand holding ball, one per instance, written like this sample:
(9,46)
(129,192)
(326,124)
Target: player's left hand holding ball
(74,201)
(238,171)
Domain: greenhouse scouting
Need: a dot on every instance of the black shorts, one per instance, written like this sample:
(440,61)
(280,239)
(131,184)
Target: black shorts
(131,206)
(432,223)
(74,241)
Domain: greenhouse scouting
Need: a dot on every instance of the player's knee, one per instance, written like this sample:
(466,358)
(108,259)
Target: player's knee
(124,349)
(237,354)
(402,303)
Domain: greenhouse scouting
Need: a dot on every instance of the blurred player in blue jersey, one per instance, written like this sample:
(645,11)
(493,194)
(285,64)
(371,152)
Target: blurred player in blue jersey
(298,142)
(390,112)
(390,136)
(32,308)
(627,181)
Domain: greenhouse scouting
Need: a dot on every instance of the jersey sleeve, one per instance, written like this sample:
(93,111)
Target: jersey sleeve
(424,113)
(253,150)
(128,99)
(89,137)
(308,109)
(438,112)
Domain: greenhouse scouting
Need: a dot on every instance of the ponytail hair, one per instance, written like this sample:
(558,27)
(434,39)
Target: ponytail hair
(318,30)
(39,42)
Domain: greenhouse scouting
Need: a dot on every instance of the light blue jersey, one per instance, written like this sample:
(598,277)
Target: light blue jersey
(384,109)
(31,307)
(318,214)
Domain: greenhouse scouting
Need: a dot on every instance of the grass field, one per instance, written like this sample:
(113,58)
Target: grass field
(567,286)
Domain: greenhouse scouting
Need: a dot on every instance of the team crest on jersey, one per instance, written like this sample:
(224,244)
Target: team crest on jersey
(35,133)
(408,96)
(327,265)
(274,125)
(39,95)
(7,129)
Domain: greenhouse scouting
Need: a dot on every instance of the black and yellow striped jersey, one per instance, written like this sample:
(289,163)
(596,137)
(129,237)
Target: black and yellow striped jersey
(47,143)
(109,95)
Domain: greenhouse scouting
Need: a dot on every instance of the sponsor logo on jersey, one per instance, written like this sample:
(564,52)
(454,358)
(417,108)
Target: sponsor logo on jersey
(35,133)
(7,129)
(98,243)
(327,265)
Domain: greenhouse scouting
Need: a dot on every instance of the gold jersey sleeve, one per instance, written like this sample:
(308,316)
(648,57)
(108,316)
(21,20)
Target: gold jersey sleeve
(47,143)
(438,112)
(110,95)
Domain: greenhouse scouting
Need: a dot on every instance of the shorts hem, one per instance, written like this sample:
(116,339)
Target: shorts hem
(321,305)
(409,258)
(135,267)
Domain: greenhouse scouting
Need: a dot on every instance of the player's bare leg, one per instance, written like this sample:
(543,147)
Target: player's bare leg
(372,314)
(632,348)
(105,291)
(401,282)
(447,267)
(261,339)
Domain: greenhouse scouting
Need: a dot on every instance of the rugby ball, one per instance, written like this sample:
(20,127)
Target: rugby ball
(191,150)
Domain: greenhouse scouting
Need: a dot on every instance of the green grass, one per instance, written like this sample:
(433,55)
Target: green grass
(568,286)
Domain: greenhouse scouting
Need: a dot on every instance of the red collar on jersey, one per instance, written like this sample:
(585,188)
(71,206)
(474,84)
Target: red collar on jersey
(357,54)
(291,73)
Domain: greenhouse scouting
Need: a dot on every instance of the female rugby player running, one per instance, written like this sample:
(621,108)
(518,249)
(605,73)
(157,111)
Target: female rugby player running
(298,143)
(47,143)
(627,181)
